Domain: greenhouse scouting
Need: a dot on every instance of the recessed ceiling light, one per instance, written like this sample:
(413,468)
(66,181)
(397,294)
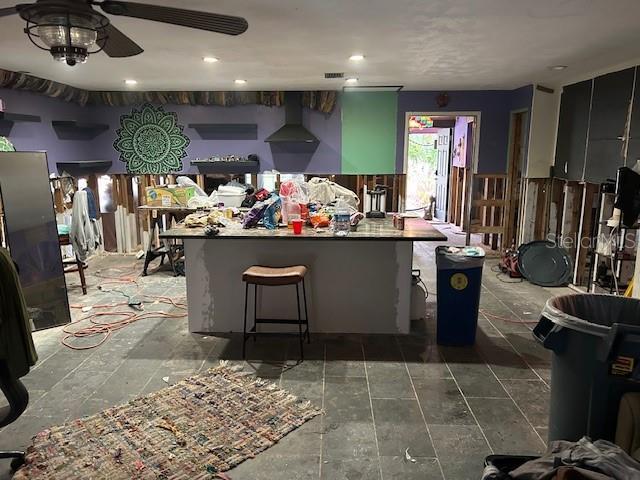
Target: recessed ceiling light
(239,81)
(351,81)
(356,57)
(557,67)
(131,82)
(209,59)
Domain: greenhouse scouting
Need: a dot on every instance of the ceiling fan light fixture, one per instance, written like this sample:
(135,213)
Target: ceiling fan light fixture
(69,36)
(71,30)
(70,55)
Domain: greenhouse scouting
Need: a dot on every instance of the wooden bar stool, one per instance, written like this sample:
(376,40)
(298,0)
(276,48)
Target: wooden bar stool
(275,277)
(73,264)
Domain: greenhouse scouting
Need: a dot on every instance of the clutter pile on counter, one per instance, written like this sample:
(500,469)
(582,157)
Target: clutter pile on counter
(318,203)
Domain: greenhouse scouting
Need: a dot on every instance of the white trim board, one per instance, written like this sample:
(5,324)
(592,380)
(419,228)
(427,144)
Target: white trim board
(543,132)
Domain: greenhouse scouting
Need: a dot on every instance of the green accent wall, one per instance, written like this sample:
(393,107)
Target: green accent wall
(369,132)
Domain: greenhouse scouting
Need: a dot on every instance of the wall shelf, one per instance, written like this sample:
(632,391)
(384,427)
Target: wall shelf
(72,130)
(226,131)
(7,120)
(84,167)
(237,167)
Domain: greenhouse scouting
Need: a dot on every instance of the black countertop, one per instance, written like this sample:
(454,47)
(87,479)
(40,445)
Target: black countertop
(368,229)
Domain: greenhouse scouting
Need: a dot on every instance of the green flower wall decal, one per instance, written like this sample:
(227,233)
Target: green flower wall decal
(151,141)
(6,145)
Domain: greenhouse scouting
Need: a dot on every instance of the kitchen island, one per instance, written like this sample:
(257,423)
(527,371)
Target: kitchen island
(360,283)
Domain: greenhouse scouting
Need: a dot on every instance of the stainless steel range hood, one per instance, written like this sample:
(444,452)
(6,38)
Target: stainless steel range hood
(292,130)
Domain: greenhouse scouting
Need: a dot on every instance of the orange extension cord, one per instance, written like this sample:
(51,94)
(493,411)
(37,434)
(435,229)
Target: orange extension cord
(508,320)
(123,317)
(127,317)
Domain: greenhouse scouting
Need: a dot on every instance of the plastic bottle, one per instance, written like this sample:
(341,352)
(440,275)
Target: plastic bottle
(290,211)
(341,218)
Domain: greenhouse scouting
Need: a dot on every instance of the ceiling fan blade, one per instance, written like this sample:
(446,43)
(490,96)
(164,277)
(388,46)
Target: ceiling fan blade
(5,12)
(118,45)
(212,22)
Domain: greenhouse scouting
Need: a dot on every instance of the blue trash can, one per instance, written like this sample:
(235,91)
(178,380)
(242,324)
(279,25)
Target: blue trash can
(459,280)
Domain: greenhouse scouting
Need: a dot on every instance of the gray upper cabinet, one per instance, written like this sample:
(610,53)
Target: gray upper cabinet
(610,105)
(573,125)
(604,157)
(609,111)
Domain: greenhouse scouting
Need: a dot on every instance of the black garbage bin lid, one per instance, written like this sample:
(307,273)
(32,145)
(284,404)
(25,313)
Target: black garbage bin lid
(592,313)
(545,263)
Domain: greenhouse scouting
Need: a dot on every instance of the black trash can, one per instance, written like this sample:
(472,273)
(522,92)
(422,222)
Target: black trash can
(459,281)
(595,341)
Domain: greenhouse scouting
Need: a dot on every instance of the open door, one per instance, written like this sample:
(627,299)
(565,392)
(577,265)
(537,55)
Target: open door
(442,174)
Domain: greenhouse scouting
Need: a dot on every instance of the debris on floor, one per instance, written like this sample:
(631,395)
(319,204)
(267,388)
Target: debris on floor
(408,457)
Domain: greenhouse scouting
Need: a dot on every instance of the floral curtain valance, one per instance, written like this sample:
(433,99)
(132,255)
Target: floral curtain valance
(223,99)
(321,100)
(48,88)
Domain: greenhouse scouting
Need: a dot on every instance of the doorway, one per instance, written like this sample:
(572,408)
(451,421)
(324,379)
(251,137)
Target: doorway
(439,149)
(422,161)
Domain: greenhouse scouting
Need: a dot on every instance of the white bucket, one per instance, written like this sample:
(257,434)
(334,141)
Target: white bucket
(231,199)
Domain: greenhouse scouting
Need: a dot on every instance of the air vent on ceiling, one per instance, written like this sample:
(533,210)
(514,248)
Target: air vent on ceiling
(334,75)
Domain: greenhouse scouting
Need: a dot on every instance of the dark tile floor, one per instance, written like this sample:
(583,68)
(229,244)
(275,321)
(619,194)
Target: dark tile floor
(384,397)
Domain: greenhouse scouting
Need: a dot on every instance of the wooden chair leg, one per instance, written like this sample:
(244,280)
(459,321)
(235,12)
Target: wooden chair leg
(306,312)
(83,281)
(255,311)
(244,328)
(300,335)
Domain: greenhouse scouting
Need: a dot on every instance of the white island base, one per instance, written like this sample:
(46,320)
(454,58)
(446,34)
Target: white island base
(353,286)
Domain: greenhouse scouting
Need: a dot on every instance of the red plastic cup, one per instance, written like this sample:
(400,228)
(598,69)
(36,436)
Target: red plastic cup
(297,226)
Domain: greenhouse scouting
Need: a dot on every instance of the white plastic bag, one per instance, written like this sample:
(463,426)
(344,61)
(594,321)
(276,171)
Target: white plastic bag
(187,182)
(325,191)
(320,191)
(202,202)
(294,191)
(231,189)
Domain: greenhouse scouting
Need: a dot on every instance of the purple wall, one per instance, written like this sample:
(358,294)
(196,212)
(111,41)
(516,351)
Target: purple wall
(494,107)
(27,136)
(293,158)
(522,97)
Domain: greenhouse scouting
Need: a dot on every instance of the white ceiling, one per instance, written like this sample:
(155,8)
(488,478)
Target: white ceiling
(421,44)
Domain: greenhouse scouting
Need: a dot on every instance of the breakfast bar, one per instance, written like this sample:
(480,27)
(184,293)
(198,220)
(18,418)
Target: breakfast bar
(360,283)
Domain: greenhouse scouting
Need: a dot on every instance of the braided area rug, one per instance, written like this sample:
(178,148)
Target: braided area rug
(195,429)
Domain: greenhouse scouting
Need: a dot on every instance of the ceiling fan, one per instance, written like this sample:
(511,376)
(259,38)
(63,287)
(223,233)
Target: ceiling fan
(73,29)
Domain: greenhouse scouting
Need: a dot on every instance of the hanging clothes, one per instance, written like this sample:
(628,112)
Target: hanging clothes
(85,234)
(16,343)
(91,204)
(93,215)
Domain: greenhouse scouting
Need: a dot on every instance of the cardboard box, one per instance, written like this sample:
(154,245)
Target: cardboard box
(169,196)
